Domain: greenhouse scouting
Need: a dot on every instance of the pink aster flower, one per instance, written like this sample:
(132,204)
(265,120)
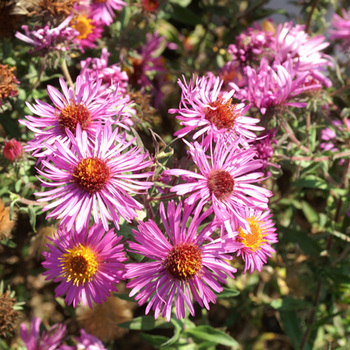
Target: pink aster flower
(87,264)
(110,75)
(251,44)
(271,87)
(292,42)
(341,27)
(47,340)
(224,179)
(98,180)
(83,106)
(264,148)
(103,10)
(13,150)
(205,109)
(88,342)
(47,39)
(89,30)
(183,266)
(255,244)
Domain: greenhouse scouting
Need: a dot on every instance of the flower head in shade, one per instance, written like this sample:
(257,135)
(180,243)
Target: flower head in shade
(13,150)
(83,106)
(341,28)
(205,109)
(150,5)
(251,44)
(292,42)
(48,39)
(103,10)
(183,266)
(97,181)
(46,340)
(256,244)
(8,83)
(224,179)
(87,264)
(89,30)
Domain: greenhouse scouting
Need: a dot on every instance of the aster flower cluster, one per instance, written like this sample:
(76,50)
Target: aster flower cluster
(82,26)
(277,65)
(54,337)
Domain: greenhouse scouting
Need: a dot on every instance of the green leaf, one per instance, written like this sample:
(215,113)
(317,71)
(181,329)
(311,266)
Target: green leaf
(212,335)
(228,293)
(155,340)
(32,217)
(184,15)
(183,3)
(309,212)
(144,323)
(312,181)
(306,243)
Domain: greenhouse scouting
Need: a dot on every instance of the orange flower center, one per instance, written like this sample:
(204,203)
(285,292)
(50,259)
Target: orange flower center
(221,183)
(221,113)
(254,240)
(75,113)
(91,174)
(83,25)
(184,261)
(80,264)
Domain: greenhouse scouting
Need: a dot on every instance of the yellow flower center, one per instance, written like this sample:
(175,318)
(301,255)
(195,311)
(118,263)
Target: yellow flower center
(74,113)
(254,240)
(80,264)
(91,174)
(83,25)
(222,113)
(184,261)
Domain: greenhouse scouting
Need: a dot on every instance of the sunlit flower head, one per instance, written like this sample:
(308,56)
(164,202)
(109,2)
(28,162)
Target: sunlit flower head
(292,42)
(255,245)
(103,10)
(46,340)
(184,266)
(87,264)
(224,179)
(341,27)
(89,30)
(206,110)
(275,86)
(48,39)
(98,181)
(82,105)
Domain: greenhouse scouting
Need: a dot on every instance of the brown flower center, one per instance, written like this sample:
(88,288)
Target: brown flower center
(221,113)
(221,183)
(75,113)
(91,174)
(184,261)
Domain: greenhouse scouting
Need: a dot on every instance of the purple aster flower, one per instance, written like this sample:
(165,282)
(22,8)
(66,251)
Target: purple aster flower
(225,179)
(48,39)
(271,87)
(110,75)
(103,10)
(83,106)
(204,108)
(99,180)
(255,245)
(341,27)
(47,340)
(292,42)
(263,146)
(251,44)
(181,266)
(88,342)
(89,30)
(87,264)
